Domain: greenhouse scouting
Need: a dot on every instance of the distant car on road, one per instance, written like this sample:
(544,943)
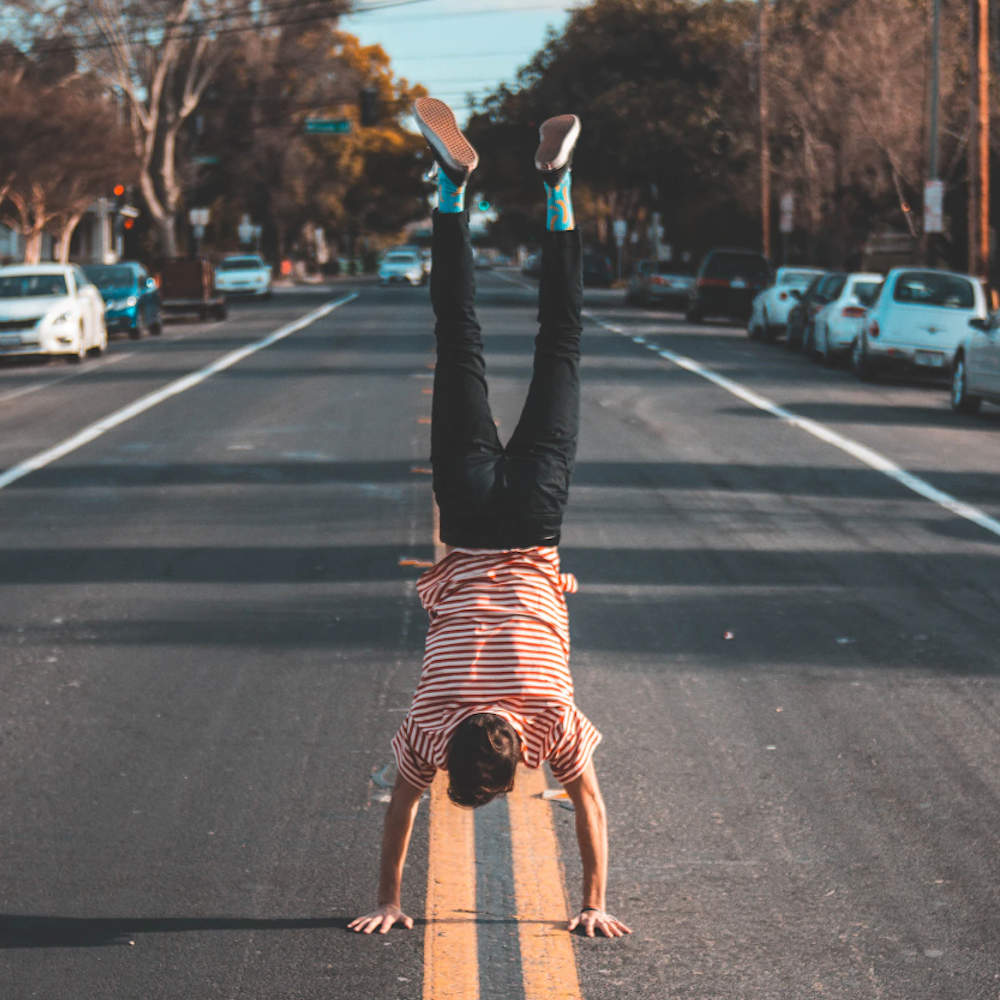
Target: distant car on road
(727,282)
(402,265)
(838,323)
(131,298)
(770,309)
(50,309)
(918,321)
(975,373)
(659,282)
(243,274)
(532,266)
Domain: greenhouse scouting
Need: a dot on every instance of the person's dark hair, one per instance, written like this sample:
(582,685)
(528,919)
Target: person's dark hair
(482,758)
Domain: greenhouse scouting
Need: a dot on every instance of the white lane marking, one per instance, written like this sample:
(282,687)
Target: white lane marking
(26,390)
(95,430)
(862,453)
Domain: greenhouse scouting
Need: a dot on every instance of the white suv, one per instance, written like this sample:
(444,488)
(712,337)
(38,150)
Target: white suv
(917,322)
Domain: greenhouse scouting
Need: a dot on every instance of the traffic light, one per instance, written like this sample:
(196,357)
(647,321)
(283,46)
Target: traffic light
(119,192)
(368,106)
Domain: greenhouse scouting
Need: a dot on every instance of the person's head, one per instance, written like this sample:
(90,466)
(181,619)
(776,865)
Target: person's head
(482,758)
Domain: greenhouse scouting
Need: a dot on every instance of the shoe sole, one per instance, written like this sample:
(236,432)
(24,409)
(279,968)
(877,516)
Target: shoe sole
(437,122)
(557,137)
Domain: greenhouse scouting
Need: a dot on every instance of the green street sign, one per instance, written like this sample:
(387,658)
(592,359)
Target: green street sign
(328,125)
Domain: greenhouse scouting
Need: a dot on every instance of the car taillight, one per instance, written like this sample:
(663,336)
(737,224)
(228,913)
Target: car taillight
(713,283)
(853,312)
(783,296)
(873,328)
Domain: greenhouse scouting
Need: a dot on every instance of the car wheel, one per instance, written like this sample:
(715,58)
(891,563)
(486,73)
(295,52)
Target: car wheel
(156,328)
(860,363)
(961,401)
(825,354)
(221,311)
(102,342)
(75,357)
(792,341)
(140,327)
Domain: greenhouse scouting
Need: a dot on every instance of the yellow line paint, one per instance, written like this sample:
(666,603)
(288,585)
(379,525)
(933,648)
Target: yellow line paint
(423,420)
(547,961)
(427,391)
(421,470)
(424,563)
(451,962)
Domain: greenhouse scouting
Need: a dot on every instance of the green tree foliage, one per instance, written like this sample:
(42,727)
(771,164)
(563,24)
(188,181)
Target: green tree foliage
(664,91)
(365,182)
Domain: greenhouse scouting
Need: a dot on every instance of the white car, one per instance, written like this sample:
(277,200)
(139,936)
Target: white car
(50,309)
(838,323)
(243,274)
(401,265)
(770,309)
(975,375)
(917,322)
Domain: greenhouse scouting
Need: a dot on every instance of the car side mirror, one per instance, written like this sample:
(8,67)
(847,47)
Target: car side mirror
(977,323)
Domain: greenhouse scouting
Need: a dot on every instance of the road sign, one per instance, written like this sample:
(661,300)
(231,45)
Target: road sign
(934,207)
(328,126)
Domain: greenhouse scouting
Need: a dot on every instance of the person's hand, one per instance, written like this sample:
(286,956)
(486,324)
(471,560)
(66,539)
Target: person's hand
(381,920)
(590,920)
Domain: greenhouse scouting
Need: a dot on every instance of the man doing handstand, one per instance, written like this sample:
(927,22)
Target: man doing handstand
(495,687)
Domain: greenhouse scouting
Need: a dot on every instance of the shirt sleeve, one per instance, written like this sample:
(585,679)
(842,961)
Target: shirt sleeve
(573,741)
(413,768)
(569,583)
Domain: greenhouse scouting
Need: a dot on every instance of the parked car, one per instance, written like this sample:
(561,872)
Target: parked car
(597,270)
(131,298)
(769,310)
(726,284)
(975,373)
(838,323)
(917,322)
(532,266)
(187,285)
(50,309)
(243,274)
(659,282)
(820,291)
(401,265)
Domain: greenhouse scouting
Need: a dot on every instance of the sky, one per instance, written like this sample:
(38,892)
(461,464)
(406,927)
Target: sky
(453,47)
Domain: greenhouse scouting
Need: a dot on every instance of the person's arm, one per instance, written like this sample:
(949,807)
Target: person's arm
(592,836)
(396,832)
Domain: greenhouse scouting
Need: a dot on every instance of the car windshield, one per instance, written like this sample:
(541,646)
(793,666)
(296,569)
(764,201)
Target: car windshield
(110,277)
(240,263)
(736,265)
(927,288)
(21,286)
(796,279)
(865,291)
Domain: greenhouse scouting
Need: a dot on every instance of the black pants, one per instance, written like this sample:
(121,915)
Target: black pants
(491,496)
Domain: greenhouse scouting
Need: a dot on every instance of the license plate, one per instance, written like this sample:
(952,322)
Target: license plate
(929,359)
(737,283)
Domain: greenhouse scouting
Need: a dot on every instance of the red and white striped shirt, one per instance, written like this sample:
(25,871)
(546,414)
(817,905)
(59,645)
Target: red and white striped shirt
(498,642)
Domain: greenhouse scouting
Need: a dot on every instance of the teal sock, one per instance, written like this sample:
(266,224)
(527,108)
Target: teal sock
(559,206)
(451,198)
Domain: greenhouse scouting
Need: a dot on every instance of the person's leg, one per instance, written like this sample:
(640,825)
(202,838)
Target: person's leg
(465,448)
(542,449)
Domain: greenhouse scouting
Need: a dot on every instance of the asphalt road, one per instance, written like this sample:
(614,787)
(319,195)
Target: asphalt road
(210,632)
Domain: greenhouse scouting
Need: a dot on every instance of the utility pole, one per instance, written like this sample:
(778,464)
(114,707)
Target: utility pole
(765,149)
(979,142)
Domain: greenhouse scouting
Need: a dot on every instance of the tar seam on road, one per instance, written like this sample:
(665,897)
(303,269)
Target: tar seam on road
(144,403)
(865,455)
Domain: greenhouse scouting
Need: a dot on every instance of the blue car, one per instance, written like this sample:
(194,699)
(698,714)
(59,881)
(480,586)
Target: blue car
(131,298)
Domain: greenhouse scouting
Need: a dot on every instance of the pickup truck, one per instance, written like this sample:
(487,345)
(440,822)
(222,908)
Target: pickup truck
(187,285)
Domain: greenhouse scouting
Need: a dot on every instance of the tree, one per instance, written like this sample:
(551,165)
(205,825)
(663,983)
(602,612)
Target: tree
(63,144)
